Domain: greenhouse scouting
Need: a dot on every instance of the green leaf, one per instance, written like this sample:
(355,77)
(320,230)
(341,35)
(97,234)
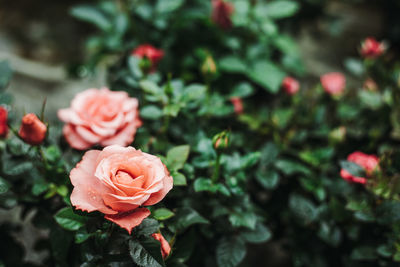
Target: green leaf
(4,186)
(203,184)
(243,89)
(134,68)
(246,219)
(353,168)
(177,156)
(302,208)
(52,153)
(81,236)
(230,252)
(268,179)
(289,167)
(147,227)
(267,75)
(146,252)
(194,92)
(355,66)
(317,156)
(92,15)
(184,218)
(282,116)
(163,6)
(5,74)
(281,9)
(151,112)
(370,99)
(179,179)
(365,253)
(269,152)
(232,64)
(162,214)
(67,219)
(260,234)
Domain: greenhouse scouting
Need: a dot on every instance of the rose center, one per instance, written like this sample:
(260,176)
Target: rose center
(123,177)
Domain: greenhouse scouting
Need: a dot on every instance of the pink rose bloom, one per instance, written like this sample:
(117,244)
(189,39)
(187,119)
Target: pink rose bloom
(290,85)
(333,83)
(165,247)
(101,117)
(221,13)
(119,181)
(371,48)
(237,105)
(368,162)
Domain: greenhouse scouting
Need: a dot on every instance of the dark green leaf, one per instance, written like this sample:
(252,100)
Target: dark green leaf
(289,167)
(5,74)
(268,179)
(260,234)
(267,75)
(168,6)
(67,219)
(243,219)
(353,168)
(146,252)
(147,227)
(151,112)
(92,15)
(184,218)
(232,64)
(179,179)
(230,252)
(4,186)
(177,156)
(281,9)
(302,208)
(364,253)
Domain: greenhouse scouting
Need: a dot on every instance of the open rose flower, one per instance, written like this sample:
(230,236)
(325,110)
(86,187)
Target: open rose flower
(153,54)
(221,13)
(119,181)
(100,117)
(371,48)
(165,247)
(3,122)
(333,83)
(290,85)
(32,131)
(368,162)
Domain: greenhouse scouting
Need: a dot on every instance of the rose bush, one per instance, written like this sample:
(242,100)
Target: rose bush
(235,172)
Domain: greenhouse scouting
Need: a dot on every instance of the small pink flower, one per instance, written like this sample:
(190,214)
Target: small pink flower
(32,131)
(290,85)
(237,105)
(151,53)
(119,181)
(221,13)
(371,48)
(100,117)
(368,162)
(165,247)
(333,83)
(370,85)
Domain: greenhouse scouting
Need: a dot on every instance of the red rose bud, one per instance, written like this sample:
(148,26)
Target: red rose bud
(150,53)
(333,83)
(237,105)
(368,162)
(221,140)
(370,85)
(290,85)
(221,13)
(165,247)
(371,48)
(3,122)
(32,131)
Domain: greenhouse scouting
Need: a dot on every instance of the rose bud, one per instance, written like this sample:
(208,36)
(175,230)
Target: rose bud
(101,117)
(3,122)
(165,247)
(371,48)
(118,182)
(370,85)
(290,85)
(209,68)
(221,13)
(150,55)
(333,83)
(338,134)
(221,140)
(237,105)
(32,131)
(368,162)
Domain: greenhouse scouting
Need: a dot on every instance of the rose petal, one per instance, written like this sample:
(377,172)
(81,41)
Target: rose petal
(157,197)
(73,139)
(88,190)
(131,220)
(123,137)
